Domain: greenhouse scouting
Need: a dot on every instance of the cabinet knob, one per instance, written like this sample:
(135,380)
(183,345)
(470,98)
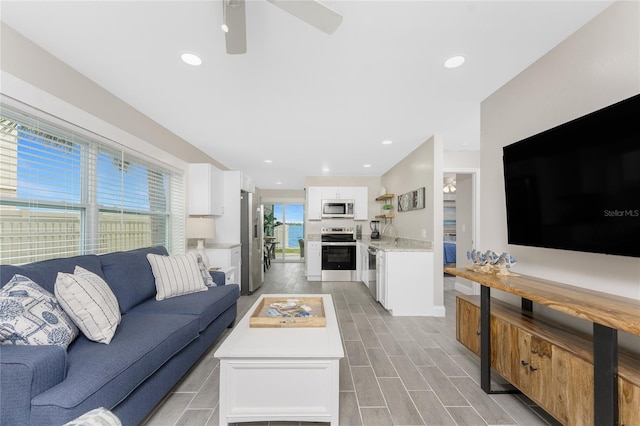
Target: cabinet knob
(477,333)
(534,351)
(524,363)
(532,368)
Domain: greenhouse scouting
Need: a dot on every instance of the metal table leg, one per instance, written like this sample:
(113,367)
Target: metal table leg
(605,375)
(485,344)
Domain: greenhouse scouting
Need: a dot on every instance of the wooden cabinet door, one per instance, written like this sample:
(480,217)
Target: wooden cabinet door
(504,348)
(629,402)
(468,325)
(571,389)
(522,379)
(540,371)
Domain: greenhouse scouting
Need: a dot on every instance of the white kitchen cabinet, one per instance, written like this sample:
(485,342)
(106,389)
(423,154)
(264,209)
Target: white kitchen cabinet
(227,257)
(405,282)
(382,278)
(313,257)
(362,263)
(314,203)
(338,193)
(206,190)
(361,203)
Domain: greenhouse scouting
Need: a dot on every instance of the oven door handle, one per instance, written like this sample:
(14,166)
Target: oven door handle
(338,244)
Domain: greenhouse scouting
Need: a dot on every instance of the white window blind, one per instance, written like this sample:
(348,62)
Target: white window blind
(63,193)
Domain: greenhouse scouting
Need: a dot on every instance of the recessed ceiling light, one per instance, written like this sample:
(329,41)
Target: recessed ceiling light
(268,161)
(191,59)
(224,28)
(454,61)
(387,142)
(278,183)
(366,165)
(325,169)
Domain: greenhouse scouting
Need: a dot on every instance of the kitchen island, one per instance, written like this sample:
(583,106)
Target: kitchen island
(403,276)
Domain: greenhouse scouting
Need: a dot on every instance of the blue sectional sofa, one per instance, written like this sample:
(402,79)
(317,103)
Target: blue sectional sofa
(156,343)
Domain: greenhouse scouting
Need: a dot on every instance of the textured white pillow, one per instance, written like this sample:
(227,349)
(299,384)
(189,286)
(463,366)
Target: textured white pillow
(30,315)
(176,275)
(206,276)
(89,301)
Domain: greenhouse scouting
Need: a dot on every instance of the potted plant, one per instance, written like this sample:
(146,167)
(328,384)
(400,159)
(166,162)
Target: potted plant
(270,224)
(387,207)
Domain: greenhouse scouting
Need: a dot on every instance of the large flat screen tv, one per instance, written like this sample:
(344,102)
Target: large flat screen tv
(577,186)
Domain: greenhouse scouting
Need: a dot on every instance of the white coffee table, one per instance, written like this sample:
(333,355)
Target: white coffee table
(285,374)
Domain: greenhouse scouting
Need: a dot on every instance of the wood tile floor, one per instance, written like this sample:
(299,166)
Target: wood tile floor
(397,370)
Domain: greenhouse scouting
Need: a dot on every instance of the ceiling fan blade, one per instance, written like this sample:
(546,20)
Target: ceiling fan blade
(312,12)
(234,17)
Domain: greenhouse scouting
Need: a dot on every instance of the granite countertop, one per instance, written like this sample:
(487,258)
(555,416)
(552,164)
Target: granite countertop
(404,244)
(222,245)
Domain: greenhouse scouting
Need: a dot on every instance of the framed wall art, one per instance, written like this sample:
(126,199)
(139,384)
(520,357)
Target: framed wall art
(412,200)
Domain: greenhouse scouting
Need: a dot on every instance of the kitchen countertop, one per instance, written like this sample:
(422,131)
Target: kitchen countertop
(404,244)
(221,245)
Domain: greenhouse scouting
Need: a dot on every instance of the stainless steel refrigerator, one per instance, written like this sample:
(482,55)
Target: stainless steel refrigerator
(251,237)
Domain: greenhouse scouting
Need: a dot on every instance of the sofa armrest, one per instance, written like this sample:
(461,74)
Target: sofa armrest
(25,372)
(219,277)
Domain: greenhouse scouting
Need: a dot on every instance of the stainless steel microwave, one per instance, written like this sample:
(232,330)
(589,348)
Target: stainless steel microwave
(337,208)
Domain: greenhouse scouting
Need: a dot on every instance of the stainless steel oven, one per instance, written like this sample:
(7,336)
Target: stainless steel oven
(338,254)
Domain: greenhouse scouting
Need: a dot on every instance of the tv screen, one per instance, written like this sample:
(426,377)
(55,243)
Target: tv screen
(577,186)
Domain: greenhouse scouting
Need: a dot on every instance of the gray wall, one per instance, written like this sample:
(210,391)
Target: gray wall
(596,66)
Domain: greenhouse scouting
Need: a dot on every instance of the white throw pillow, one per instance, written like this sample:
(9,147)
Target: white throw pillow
(30,315)
(89,301)
(176,275)
(206,276)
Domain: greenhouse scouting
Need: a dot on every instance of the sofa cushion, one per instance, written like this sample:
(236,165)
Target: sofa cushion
(129,275)
(30,315)
(103,375)
(206,305)
(90,303)
(45,272)
(176,275)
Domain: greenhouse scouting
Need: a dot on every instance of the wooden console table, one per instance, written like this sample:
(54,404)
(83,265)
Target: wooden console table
(608,313)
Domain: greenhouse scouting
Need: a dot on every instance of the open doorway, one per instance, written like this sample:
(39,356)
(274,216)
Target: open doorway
(460,201)
(287,230)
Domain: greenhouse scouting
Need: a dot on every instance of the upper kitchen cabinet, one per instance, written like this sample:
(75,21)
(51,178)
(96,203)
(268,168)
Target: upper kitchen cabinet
(338,193)
(206,190)
(314,203)
(361,203)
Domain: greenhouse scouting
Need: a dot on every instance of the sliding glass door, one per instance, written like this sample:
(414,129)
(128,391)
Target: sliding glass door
(288,231)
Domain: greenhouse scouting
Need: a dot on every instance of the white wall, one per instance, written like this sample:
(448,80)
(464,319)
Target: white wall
(461,160)
(464,227)
(595,67)
(422,168)
(33,76)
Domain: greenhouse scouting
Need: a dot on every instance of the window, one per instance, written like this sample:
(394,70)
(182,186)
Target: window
(64,192)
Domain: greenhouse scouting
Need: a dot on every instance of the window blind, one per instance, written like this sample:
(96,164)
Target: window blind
(64,193)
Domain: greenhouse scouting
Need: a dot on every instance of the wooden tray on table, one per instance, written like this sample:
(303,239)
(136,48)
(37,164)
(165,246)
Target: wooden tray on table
(261,318)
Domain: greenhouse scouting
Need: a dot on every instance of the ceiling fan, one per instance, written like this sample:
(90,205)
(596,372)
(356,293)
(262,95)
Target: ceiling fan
(311,11)
(449,186)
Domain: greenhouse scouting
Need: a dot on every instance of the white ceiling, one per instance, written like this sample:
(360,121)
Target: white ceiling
(299,97)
